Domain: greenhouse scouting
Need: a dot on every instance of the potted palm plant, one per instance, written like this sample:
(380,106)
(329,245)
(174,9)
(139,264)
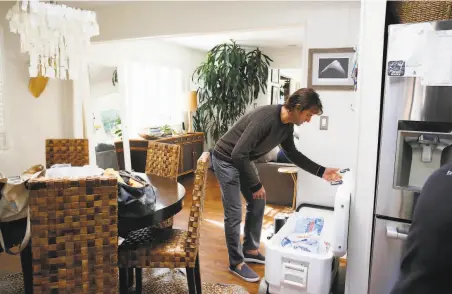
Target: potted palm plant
(228,82)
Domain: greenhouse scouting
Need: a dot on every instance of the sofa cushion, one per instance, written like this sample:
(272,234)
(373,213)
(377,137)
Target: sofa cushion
(281,157)
(278,186)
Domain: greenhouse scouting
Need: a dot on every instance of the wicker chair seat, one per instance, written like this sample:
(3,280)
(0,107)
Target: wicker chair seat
(157,248)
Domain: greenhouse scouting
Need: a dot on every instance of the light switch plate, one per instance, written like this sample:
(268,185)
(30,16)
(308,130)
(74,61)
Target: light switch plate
(324,123)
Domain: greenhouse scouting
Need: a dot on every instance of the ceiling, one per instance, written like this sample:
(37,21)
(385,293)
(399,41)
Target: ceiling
(271,38)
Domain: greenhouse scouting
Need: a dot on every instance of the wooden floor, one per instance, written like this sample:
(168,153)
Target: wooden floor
(213,252)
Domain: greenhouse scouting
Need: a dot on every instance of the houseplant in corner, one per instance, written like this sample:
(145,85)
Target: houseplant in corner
(228,82)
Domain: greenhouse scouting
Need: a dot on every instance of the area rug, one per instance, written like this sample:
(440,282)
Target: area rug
(155,281)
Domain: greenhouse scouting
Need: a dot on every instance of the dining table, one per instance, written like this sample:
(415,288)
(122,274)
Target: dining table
(170,197)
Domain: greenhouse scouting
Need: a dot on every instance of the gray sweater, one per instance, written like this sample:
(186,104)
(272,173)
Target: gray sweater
(254,135)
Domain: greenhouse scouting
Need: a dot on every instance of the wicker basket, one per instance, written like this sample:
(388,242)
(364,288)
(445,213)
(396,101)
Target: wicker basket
(423,11)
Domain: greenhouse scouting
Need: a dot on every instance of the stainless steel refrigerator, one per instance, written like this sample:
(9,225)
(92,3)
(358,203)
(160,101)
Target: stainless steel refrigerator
(415,138)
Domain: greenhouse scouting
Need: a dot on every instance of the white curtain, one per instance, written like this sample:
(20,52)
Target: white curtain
(155,96)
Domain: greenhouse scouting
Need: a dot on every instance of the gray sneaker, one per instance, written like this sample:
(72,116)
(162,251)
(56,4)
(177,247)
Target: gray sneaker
(245,273)
(259,258)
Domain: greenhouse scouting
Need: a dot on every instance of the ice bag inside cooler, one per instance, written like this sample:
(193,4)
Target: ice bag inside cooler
(308,234)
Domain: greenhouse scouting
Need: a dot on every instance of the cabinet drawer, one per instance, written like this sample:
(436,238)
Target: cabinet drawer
(199,137)
(186,139)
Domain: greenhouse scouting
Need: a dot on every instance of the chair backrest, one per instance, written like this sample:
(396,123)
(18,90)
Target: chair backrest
(73,151)
(163,160)
(74,234)
(197,206)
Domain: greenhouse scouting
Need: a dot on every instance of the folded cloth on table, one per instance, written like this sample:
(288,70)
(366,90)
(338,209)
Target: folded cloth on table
(73,171)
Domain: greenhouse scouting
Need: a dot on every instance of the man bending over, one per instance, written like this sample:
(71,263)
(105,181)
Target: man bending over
(252,136)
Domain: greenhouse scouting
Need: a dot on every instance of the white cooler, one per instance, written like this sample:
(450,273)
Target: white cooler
(289,270)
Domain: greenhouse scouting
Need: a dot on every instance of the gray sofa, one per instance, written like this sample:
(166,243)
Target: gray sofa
(106,156)
(279,186)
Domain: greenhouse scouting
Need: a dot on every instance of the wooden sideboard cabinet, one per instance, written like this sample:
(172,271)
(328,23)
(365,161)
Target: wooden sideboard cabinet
(192,146)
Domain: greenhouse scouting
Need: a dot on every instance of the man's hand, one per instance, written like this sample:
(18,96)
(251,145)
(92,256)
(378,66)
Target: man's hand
(331,175)
(260,194)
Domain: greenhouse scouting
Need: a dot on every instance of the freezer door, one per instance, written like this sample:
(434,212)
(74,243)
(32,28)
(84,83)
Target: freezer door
(388,246)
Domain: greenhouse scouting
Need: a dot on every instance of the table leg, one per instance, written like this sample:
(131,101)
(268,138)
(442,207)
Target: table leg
(130,277)
(27,269)
(294,200)
(139,280)
(123,289)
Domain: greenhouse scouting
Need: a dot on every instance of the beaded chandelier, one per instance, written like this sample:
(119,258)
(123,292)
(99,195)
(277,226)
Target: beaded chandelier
(54,36)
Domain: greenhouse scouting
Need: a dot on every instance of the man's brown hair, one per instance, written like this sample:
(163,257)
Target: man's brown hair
(304,99)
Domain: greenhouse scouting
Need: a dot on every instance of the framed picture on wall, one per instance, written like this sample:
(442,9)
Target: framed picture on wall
(331,69)
(276,95)
(274,75)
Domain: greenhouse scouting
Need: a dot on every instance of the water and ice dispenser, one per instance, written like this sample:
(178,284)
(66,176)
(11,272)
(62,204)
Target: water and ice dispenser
(422,147)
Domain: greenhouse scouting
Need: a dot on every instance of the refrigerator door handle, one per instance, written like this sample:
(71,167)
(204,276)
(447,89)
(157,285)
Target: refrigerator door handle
(393,233)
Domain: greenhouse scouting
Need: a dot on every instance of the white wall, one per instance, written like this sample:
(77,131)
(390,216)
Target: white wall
(288,58)
(100,77)
(335,147)
(150,51)
(29,121)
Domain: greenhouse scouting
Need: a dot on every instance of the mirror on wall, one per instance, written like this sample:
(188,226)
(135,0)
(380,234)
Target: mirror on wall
(104,113)
(283,82)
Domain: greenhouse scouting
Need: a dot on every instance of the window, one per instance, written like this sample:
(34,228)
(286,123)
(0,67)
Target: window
(155,96)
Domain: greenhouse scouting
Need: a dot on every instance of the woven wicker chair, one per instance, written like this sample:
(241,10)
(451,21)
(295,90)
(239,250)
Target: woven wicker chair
(73,151)
(170,248)
(74,235)
(163,160)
